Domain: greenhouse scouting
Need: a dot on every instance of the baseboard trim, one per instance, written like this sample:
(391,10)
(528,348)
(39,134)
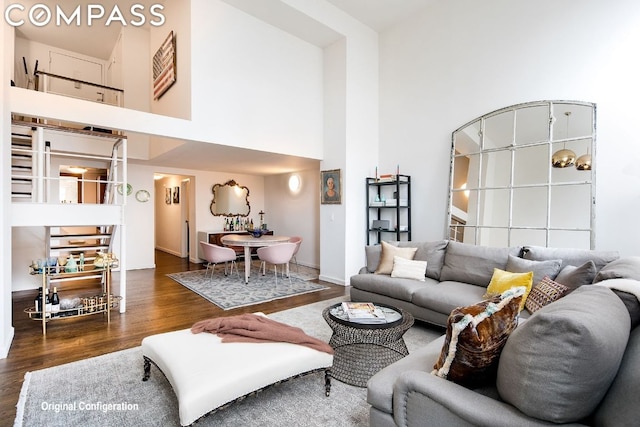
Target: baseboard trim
(332,280)
(4,349)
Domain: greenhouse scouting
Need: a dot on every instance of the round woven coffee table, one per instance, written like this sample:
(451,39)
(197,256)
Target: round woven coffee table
(360,349)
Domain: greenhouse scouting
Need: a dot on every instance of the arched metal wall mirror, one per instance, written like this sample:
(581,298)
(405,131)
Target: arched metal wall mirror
(525,175)
(230,199)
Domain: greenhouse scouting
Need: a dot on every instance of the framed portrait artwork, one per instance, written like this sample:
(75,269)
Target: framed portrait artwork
(330,187)
(167,195)
(176,195)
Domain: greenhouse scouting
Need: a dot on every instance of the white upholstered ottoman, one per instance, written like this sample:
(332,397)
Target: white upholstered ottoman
(206,374)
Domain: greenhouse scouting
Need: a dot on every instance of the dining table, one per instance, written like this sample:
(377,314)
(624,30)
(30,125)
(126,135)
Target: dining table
(248,242)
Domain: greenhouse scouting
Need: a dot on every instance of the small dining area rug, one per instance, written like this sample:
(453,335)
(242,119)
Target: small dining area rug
(231,291)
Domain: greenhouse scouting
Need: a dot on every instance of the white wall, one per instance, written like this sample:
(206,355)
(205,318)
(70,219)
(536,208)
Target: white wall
(459,60)
(295,213)
(176,102)
(253,84)
(6,74)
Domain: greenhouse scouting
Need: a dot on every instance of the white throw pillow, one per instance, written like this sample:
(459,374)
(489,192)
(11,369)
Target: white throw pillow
(409,269)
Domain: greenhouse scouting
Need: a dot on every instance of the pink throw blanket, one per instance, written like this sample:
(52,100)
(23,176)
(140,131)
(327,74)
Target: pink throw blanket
(258,329)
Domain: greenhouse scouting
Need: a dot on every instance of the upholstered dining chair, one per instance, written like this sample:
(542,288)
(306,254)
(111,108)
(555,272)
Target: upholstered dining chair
(297,240)
(215,254)
(279,254)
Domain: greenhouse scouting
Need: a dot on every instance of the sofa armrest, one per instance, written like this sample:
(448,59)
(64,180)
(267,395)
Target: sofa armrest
(420,398)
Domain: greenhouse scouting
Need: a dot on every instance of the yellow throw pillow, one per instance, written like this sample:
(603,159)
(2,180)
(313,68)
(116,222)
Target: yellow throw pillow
(504,280)
(388,252)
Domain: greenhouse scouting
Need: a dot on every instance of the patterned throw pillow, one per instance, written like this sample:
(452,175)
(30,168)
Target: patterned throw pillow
(545,292)
(503,280)
(386,257)
(475,337)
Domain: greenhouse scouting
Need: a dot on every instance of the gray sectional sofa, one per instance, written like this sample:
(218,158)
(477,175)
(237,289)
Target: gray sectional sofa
(573,362)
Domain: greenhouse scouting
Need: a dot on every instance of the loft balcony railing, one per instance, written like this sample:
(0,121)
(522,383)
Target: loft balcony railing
(44,158)
(75,88)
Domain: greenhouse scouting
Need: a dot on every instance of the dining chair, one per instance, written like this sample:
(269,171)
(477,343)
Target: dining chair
(215,254)
(279,254)
(297,240)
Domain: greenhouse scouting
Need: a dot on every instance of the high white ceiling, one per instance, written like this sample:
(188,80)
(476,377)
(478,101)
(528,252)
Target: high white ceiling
(98,41)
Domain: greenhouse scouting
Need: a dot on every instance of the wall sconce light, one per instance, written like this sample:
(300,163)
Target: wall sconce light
(294,183)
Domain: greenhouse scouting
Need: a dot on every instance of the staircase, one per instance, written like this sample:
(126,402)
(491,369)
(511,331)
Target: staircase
(22,164)
(40,153)
(63,242)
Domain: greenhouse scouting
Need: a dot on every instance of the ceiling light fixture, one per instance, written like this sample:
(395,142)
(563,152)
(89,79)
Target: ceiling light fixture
(583,163)
(76,169)
(564,158)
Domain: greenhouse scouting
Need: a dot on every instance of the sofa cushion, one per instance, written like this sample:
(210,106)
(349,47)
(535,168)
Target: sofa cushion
(432,252)
(622,268)
(475,337)
(558,365)
(502,280)
(570,256)
(473,264)
(402,289)
(372,253)
(387,254)
(444,297)
(380,386)
(409,269)
(544,293)
(573,277)
(617,407)
(540,269)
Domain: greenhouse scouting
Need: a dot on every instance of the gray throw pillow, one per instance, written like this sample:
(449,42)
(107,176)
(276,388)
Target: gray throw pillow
(432,252)
(372,253)
(570,256)
(558,365)
(473,264)
(540,269)
(622,268)
(573,277)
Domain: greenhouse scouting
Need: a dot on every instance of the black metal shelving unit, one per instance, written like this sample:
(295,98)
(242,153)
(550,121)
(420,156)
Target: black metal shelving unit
(389,199)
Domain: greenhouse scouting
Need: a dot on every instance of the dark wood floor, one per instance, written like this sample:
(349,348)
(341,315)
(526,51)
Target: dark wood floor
(155,304)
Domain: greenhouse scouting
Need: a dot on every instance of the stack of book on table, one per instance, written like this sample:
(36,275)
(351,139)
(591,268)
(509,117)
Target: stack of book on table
(363,312)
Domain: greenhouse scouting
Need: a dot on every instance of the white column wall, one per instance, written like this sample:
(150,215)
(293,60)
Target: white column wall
(6,74)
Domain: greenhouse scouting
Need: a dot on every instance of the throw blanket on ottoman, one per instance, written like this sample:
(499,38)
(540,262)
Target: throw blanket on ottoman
(207,374)
(258,329)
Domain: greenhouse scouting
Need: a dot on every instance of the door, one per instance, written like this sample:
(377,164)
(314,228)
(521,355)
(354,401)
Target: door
(76,68)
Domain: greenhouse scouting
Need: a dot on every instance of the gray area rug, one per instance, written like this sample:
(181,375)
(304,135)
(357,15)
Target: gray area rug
(86,393)
(231,291)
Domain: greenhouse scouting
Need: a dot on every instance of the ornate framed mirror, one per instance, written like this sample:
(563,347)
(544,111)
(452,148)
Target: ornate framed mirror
(525,175)
(230,199)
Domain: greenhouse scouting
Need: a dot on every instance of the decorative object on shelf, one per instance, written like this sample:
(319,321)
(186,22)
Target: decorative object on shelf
(120,189)
(167,195)
(71,266)
(105,259)
(143,196)
(564,158)
(164,67)
(176,195)
(330,187)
